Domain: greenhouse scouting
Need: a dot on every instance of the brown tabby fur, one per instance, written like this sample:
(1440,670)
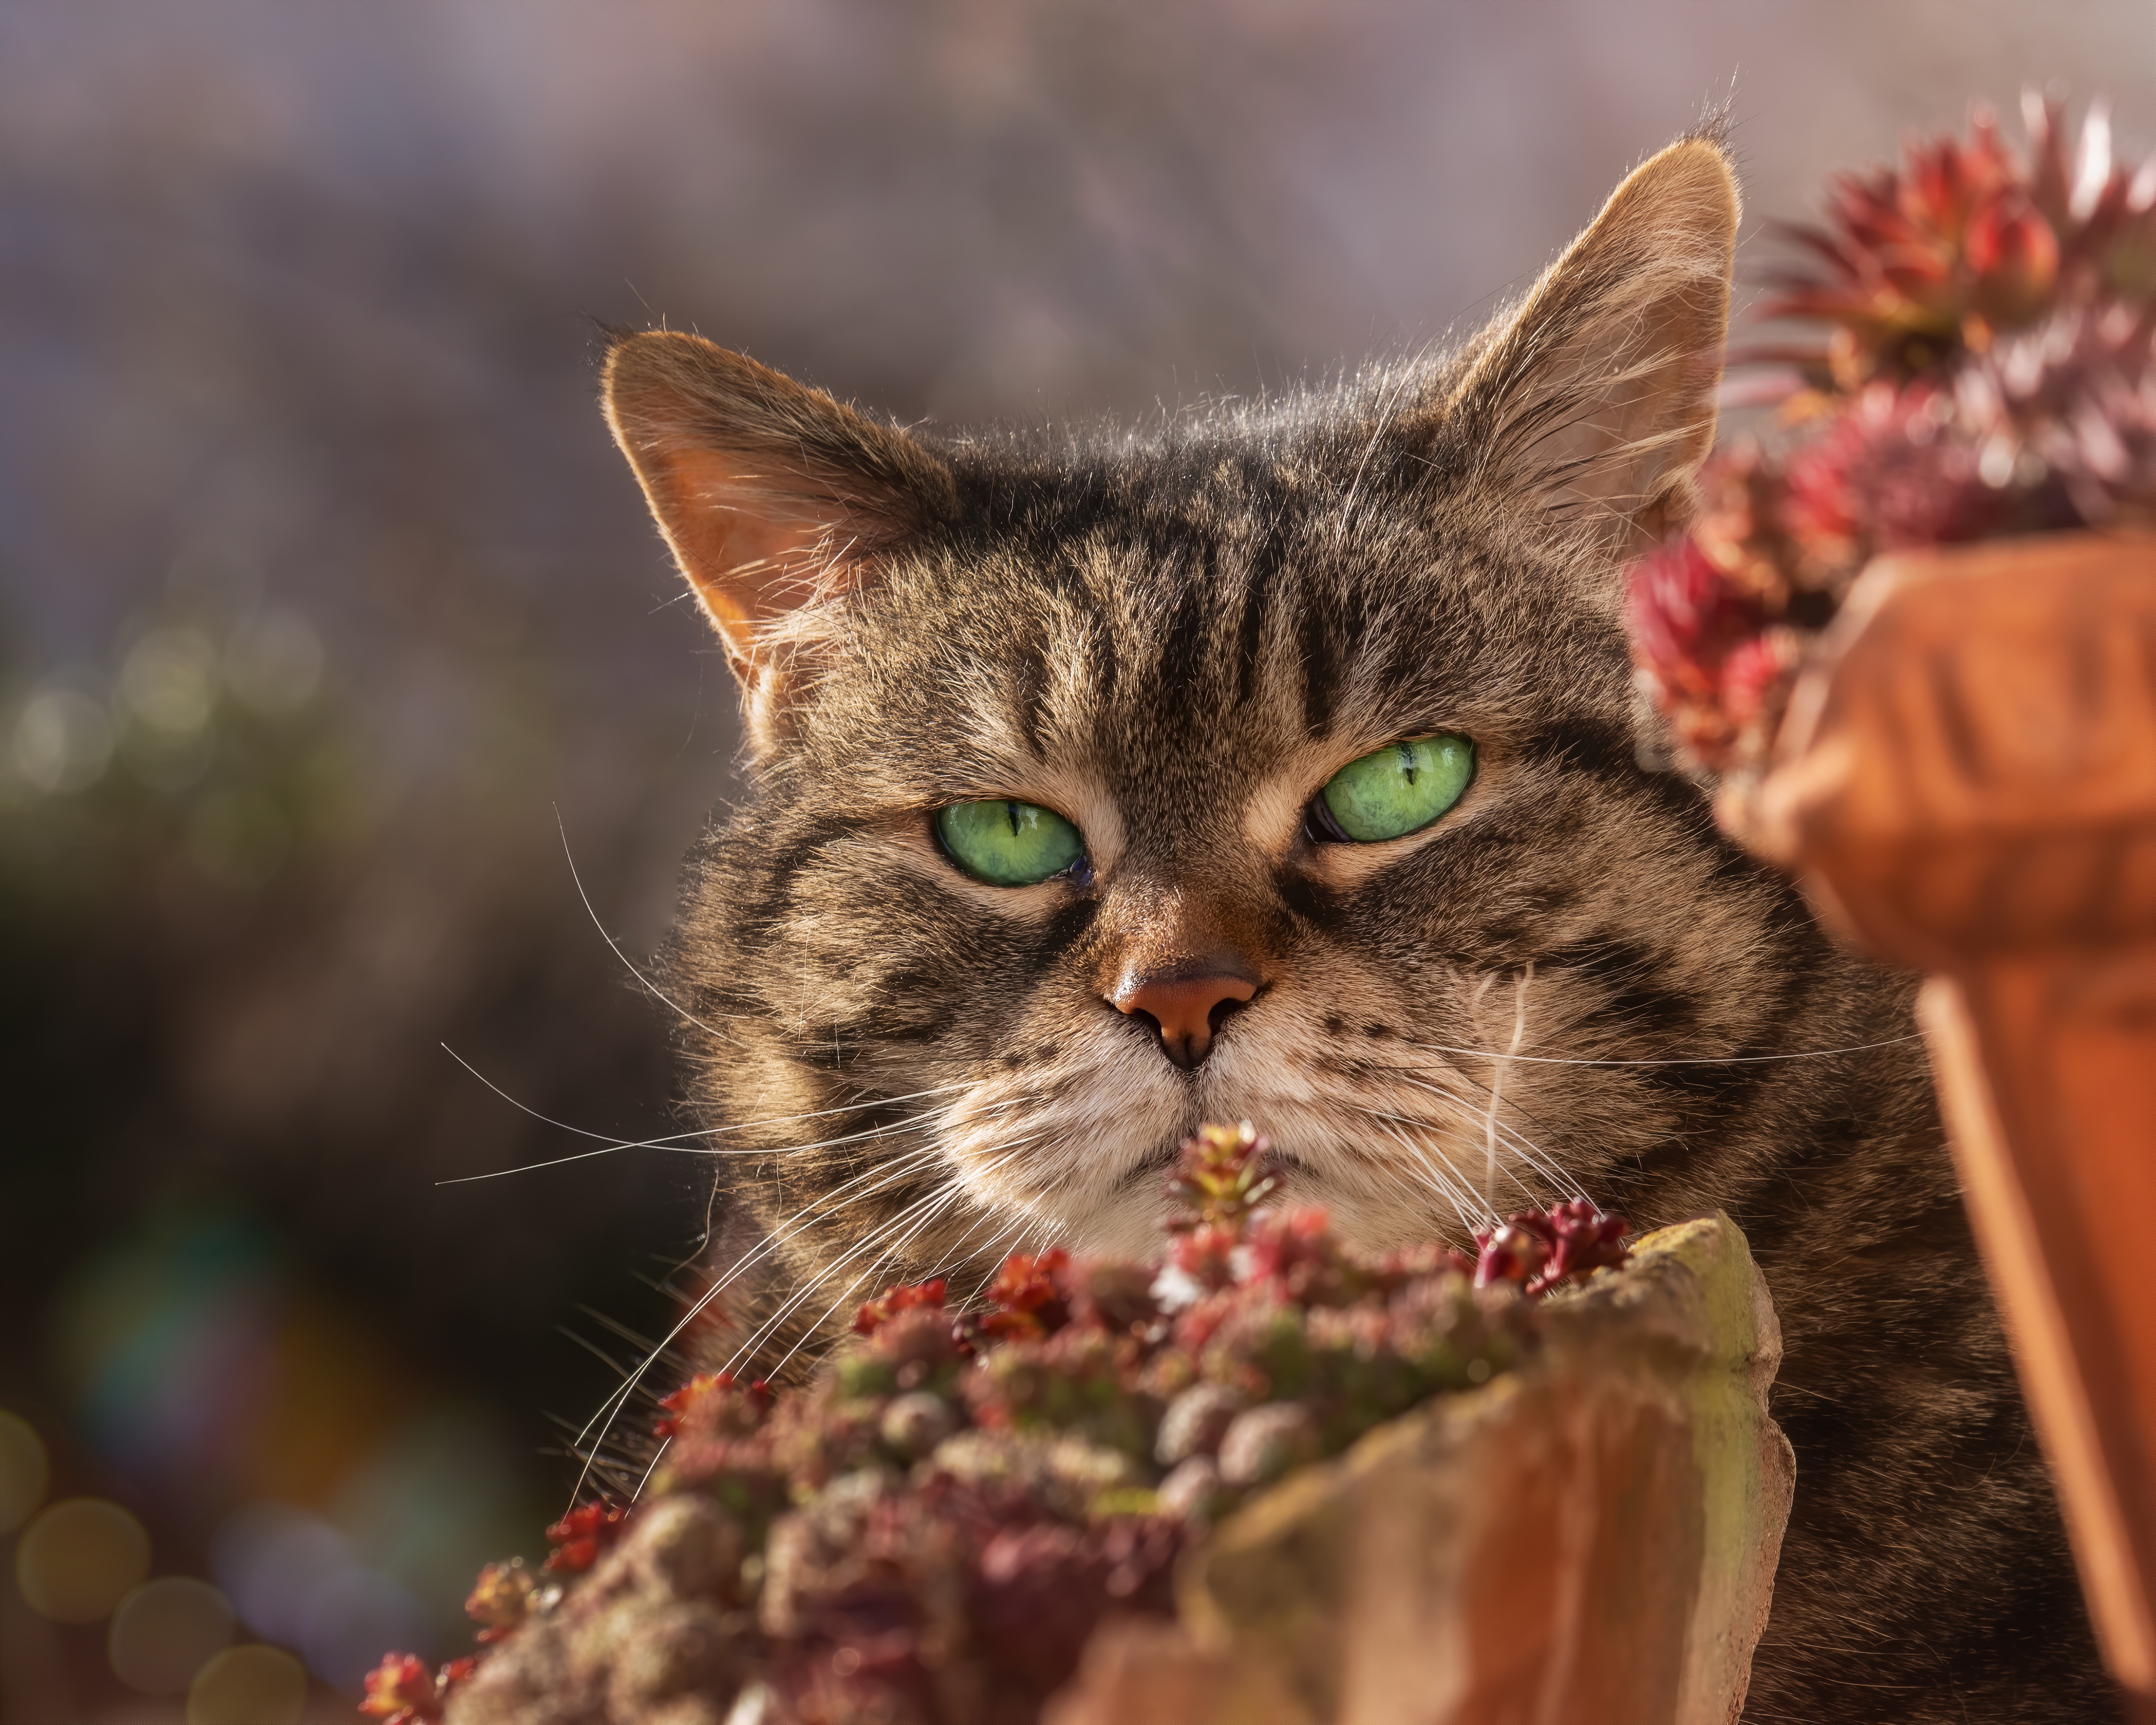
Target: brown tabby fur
(1174,638)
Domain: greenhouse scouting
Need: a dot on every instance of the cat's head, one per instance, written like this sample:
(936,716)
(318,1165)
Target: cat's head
(1278,764)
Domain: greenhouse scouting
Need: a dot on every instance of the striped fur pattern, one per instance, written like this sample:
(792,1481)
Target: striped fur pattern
(1569,983)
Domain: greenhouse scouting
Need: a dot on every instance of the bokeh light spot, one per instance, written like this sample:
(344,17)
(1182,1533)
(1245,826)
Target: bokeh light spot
(23,1470)
(165,1631)
(80,1559)
(248,1686)
(168,681)
(296,1580)
(62,741)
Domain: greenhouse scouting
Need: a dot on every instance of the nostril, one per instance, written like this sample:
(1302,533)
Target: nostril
(1184,1009)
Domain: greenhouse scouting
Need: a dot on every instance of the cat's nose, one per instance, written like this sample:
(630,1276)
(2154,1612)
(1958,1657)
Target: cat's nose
(1186,1003)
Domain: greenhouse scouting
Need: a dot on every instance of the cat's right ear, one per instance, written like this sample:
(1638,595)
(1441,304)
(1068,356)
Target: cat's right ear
(774,497)
(1598,394)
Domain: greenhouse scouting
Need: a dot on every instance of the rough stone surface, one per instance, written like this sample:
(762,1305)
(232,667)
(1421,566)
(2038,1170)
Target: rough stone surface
(1592,1539)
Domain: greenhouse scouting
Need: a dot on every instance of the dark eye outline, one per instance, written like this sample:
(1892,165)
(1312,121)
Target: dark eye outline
(1320,828)
(1079,870)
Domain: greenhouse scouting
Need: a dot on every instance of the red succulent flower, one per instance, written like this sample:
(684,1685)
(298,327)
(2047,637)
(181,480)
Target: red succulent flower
(1025,1295)
(1538,1250)
(1223,1177)
(679,1405)
(891,1302)
(936,1516)
(1912,265)
(1583,1239)
(1990,369)
(1689,618)
(501,1599)
(581,1536)
(403,1689)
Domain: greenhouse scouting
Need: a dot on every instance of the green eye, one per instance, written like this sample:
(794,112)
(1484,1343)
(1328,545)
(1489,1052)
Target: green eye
(1398,789)
(1008,843)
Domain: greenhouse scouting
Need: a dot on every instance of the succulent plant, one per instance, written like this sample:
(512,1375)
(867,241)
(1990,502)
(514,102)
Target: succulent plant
(930,1531)
(1990,369)
(1912,266)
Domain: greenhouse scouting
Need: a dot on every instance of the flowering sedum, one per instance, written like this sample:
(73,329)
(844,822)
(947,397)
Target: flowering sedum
(931,1529)
(1989,369)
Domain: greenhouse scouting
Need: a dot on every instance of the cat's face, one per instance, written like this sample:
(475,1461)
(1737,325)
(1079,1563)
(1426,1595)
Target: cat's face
(948,1030)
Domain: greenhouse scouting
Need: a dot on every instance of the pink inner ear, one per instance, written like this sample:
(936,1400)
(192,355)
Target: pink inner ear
(750,554)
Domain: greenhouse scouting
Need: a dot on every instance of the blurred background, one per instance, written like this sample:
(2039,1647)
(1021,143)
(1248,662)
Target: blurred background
(331,632)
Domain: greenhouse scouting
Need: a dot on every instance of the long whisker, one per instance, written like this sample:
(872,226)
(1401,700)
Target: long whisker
(1809,1054)
(671,1141)
(1008,1243)
(1496,1082)
(943,1196)
(1457,1190)
(949,1191)
(896,1168)
(1528,1151)
(610,1407)
(1484,1109)
(935,1205)
(656,991)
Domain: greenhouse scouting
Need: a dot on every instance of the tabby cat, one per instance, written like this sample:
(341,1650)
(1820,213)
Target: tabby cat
(1282,763)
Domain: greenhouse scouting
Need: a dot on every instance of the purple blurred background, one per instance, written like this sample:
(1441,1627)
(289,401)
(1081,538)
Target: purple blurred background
(322,596)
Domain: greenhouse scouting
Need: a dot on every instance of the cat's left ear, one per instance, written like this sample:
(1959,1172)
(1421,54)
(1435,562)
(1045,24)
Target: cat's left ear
(1599,393)
(773,495)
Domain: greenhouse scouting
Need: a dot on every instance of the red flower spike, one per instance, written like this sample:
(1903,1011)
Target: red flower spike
(1515,1251)
(1027,1299)
(501,1599)
(1224,1176)
(1585,1239)
(581,1536)
(403,1689)
(893,1300)
(680,1404)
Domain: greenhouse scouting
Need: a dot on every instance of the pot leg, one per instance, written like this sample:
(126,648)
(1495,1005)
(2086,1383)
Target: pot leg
(2046,1069)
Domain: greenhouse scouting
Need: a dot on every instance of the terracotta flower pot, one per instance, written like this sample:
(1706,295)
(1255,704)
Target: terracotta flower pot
(1966,782)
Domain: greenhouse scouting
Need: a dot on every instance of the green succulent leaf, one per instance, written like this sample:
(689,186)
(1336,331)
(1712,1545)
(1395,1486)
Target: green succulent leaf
(1400,788)
(1008,844)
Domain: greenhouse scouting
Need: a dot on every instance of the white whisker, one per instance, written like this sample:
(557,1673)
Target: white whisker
(656,991)
(610,1409)
(674,1141)
(1529,1151)
(1809,1054)
(1457,1191)
(930,1204)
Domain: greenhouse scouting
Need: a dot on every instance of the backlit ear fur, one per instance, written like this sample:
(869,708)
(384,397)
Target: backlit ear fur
(776,499)
(1599,393)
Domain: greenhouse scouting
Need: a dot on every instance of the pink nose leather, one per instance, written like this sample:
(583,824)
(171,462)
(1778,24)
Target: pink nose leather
(1186,1009)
